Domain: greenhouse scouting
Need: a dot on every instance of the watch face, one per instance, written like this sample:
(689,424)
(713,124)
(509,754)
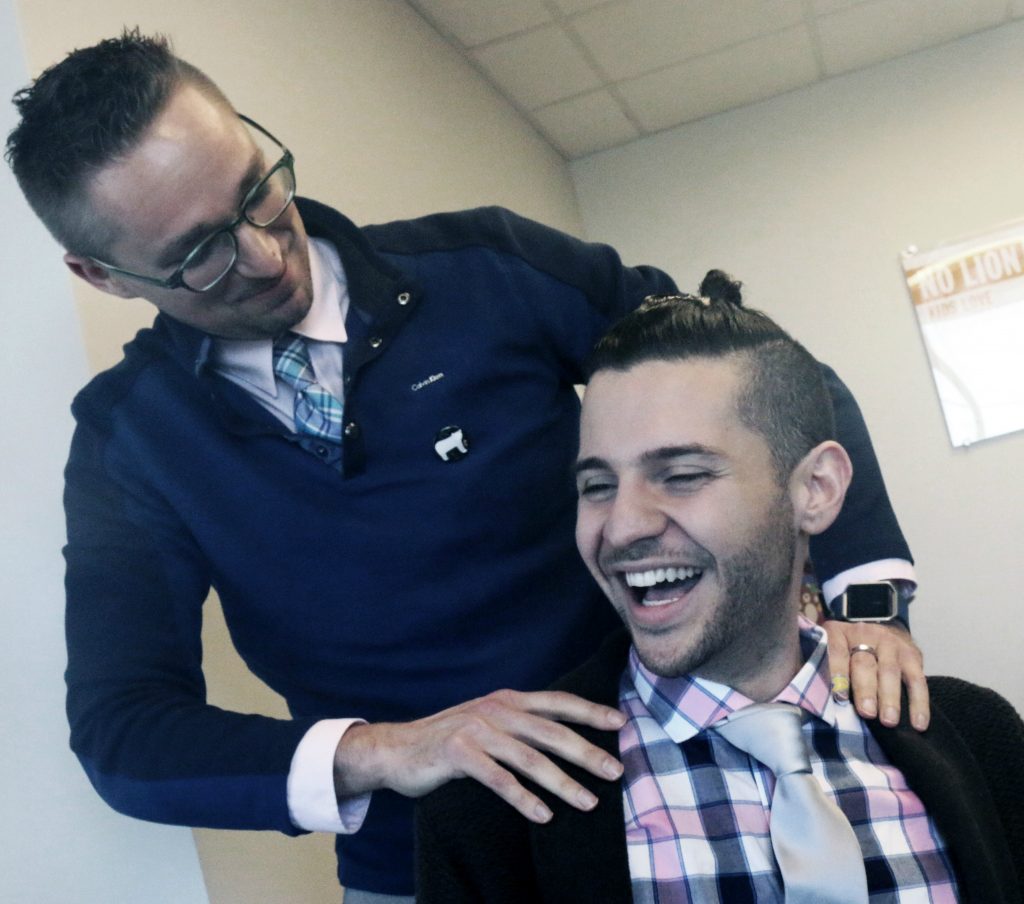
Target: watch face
(871,601)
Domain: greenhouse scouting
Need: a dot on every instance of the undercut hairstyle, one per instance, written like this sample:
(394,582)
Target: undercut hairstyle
(783,396)
(84,113)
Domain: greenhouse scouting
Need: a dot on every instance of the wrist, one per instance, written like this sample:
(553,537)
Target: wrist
(359,761)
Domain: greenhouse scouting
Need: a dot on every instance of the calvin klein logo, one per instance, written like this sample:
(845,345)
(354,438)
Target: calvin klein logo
(423,384)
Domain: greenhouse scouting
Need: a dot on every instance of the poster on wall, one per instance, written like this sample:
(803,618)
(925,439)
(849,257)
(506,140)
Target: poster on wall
(969,300)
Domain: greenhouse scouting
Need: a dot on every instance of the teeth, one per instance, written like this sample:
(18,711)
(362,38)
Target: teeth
(659,576)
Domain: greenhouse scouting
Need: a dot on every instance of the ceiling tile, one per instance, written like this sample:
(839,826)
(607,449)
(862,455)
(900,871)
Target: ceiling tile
(575,6)
(537,68)
(730,78)
(632,37)
(585,124)
(677,60)
(872,32)
(475,22)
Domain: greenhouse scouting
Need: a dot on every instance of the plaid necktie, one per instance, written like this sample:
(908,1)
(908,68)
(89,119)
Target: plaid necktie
(317,412)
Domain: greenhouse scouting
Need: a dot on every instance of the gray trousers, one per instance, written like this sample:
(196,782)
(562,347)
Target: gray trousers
(355,896)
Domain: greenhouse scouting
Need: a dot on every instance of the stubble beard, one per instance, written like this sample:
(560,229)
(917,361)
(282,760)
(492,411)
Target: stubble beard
(752,611)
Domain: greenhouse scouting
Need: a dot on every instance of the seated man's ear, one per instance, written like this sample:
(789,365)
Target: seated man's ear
(98,276)
(818,486)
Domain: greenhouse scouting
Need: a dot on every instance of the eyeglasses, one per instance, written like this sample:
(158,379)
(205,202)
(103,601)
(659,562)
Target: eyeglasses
(214,257)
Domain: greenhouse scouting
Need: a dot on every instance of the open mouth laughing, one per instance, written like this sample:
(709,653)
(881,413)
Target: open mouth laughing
(661,586)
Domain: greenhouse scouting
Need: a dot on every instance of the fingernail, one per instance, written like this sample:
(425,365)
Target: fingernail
(611,768)
(616,719)
(542,813)
(586,799)
(869,707)
(920,722)
(890,715)
(841,689)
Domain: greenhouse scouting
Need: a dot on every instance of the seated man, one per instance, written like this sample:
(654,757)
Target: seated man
(706,462)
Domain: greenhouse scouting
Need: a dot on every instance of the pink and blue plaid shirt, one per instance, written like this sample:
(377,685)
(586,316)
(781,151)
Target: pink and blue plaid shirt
(697,808)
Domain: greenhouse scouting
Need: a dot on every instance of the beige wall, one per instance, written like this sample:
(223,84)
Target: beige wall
(809,198)
(385,121)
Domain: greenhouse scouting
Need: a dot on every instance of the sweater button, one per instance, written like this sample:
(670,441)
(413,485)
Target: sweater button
(352,430)
(376,342)
(404,298)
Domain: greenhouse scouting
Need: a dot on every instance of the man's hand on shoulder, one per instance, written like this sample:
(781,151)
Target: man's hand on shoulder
(491,740)
(875,678)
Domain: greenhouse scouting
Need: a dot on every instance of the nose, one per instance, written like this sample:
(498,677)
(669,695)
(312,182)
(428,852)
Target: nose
(635,514)
(259,253)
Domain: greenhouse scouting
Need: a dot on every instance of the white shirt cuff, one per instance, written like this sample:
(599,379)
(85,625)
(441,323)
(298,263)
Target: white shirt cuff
(312,803)
(882,570)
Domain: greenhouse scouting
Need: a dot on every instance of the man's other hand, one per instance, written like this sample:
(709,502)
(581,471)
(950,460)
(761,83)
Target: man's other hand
(875,679)
(493,740)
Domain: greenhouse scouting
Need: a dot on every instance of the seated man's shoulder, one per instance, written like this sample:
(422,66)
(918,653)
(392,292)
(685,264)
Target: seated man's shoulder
(461,804)
(985,727)
(976,709)
(597,679)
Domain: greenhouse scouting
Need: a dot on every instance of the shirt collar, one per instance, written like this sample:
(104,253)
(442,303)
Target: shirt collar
(325,319)
(252,360)
(688,705)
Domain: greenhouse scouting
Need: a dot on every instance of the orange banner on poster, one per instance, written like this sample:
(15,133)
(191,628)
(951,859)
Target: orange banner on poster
(971,270)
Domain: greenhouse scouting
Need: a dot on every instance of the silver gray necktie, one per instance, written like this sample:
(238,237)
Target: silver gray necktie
(814,843)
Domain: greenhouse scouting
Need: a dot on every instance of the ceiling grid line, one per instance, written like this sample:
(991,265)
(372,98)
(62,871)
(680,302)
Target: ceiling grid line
(811,19)
(589,75)
(607,83)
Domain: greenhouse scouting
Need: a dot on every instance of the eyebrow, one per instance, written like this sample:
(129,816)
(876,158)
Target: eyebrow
(653,456)
(189,240)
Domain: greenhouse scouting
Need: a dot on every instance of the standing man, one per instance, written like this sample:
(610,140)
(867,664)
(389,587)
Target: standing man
(361,438)
(706,463)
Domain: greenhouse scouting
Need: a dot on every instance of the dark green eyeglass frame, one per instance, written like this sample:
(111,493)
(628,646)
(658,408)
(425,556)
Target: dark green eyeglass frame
(177,279)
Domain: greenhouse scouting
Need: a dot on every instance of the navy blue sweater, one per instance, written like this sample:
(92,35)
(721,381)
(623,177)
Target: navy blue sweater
(385,582)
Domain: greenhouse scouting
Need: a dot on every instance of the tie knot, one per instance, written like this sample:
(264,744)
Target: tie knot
(291,361)
(316,412)
(771,734)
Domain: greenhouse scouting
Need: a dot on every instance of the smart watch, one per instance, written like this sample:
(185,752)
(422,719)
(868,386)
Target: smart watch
(877,601)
